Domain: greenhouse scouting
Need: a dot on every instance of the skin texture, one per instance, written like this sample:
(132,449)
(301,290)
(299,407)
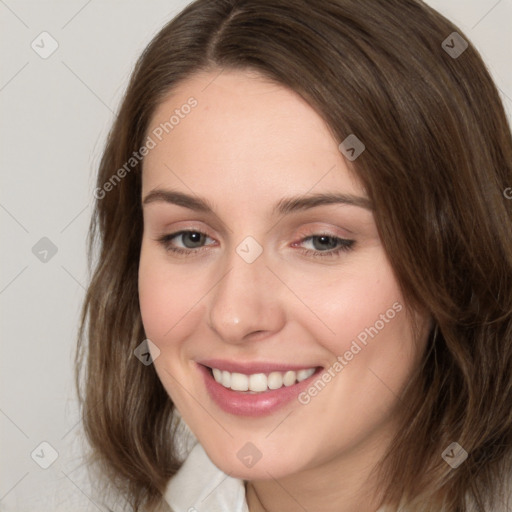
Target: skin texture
(246,145)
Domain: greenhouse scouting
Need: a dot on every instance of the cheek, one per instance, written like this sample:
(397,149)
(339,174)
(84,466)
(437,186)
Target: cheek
(166,298)
(168,304)
(360,305)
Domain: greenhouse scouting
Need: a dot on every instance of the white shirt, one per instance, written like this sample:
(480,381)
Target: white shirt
(199,486)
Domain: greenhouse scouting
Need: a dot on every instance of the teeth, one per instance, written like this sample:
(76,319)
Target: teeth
(226,379)
(289,378)
(305,374)
(239,382)
(260,382)
(275,380)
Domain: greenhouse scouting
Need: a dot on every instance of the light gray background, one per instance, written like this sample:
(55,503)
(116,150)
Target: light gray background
(55,115)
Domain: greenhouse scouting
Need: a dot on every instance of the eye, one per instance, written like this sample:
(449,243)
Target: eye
(192,240)
(325,245)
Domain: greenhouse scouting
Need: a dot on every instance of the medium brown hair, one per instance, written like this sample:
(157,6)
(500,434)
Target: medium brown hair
(437,160)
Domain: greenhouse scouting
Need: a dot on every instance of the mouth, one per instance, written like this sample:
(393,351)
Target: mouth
(255,389)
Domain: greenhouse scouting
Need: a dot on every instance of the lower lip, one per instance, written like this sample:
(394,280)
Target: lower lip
(248,404)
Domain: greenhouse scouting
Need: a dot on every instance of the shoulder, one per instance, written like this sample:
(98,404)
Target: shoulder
(199,486)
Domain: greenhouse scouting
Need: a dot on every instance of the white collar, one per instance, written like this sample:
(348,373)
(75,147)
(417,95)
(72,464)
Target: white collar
(199,486)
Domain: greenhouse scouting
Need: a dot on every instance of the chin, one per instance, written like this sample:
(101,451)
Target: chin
(248,463)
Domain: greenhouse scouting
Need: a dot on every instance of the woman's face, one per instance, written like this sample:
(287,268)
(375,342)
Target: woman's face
(270,284)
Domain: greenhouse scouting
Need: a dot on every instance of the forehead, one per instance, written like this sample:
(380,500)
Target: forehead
(243,134)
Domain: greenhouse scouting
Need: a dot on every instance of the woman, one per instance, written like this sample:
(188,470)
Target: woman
(305,258)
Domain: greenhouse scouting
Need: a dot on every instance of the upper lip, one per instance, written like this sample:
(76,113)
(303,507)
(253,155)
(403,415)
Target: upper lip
(252,367)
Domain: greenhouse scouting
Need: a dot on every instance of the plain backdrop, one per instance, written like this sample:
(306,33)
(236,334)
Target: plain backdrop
(55,115)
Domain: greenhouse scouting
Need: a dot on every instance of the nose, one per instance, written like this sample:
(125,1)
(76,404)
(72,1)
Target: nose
(247,301)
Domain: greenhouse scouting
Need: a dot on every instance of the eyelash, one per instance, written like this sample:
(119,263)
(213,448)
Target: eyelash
(345,244)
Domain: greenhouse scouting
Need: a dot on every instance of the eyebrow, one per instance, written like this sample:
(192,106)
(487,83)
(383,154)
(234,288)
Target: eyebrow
(284,206)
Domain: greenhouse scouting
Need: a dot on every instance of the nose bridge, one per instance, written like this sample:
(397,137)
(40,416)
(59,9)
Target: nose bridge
(245,299)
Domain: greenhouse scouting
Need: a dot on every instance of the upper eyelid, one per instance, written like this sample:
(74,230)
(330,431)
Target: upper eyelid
(291,207)
(318,228)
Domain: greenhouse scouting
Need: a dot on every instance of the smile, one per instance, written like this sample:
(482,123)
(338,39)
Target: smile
(254,389)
